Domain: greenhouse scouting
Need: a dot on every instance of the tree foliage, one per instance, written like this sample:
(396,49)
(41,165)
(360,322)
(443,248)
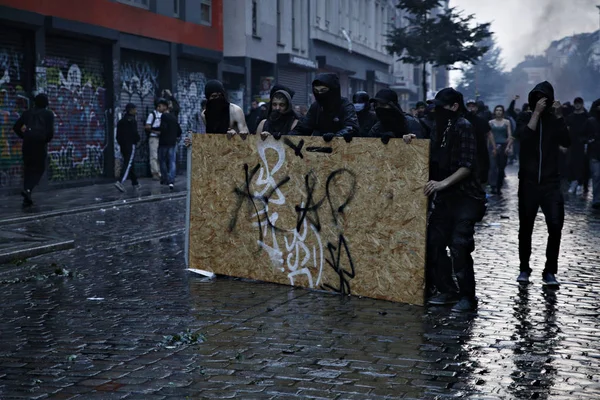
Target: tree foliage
(441,40)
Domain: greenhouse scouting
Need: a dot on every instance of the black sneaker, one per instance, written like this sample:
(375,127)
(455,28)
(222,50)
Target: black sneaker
(523,277)
(443,299)
(465,305)
(27,201)
(550,280)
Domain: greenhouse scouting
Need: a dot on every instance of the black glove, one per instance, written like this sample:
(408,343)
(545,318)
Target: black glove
(276,135)
(328,137)
(386,136)
(347,135)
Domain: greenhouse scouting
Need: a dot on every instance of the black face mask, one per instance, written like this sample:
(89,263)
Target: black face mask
(217,115)
(326,99)
(387,116)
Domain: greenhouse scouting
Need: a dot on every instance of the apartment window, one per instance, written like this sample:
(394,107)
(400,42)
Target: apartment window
(206,12)
(254,18)
(137,3)
(176,8)
(280,21)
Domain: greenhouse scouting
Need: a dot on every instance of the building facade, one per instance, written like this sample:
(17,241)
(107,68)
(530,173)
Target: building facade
(91,59)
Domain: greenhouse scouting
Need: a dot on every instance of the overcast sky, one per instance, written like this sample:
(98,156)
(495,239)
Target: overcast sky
(526,27)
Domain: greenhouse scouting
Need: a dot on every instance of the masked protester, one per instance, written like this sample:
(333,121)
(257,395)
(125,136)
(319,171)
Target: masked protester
(221,116)
(392,121)
(331,115)
(539,182)
(458,203)
(484,138)
(281,117)
(577,158)
(36,128)
(592,128)
(366,118)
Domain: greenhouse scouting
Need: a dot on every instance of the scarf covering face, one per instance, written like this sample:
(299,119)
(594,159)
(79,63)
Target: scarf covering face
(217,110)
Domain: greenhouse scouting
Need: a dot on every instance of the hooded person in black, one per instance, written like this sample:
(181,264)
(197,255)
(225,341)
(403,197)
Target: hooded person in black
(331,115)
(458,203)
(592,128)
(539,182)
(392,122)
(281,118)
(36,128)
(128,138)
(366,118)
(577,159)
(220,116)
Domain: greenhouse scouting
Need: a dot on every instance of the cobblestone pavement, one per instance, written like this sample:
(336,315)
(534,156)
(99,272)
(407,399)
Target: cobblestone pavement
(97,331)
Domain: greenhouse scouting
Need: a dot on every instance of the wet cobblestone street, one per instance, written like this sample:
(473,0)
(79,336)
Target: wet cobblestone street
(91,322)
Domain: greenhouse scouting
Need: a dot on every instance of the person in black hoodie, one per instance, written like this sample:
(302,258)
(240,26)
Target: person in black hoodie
(539,181)
(366,118)
(170,131)
(392,121)
(485,140)
(592,128)
(36,128)
(221,116)
(281,116)
(577,159)
(331,115)
(127,138)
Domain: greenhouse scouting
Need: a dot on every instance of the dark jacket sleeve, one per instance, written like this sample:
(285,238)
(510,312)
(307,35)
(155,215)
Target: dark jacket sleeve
(562,132)
(376,130)
(414,126)
(350,120)
(136,135)
(306,125)
(511,110)
(19,124)
(523,131)
(49,126)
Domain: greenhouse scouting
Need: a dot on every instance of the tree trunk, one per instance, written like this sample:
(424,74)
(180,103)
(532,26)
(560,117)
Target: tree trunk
(424,82)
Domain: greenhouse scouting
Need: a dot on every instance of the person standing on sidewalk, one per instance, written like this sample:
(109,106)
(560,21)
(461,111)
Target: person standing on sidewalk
(128,138)
(36,128)
(593,134)
(170,132)
(153,130)
(458,203)
(539,179)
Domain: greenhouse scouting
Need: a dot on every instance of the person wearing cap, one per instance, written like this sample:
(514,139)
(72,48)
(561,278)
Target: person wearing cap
(458,203)
(220,115)
(542,137)
(128,138)
(485,141)
(421,107)
(281,119)
(392,122)
(578,163)
(153,129)
(366,118)
(331,115)
(36,128)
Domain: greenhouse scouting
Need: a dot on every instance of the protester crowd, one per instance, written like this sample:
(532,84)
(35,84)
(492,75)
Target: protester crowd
(471,145)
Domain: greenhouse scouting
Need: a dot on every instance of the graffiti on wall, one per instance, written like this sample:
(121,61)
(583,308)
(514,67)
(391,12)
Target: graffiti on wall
(190,92)
(77,96)
(13,101)
(139,85)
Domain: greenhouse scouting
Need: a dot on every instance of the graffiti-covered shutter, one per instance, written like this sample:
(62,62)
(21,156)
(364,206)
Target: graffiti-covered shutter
(140,77)
(298,80)
(13,101)
(76,87)
(191,78)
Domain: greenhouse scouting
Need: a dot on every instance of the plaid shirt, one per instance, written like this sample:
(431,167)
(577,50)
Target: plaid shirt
(455,149)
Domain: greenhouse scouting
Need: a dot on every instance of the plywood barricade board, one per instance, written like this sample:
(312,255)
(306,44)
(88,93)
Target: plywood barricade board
(344,217)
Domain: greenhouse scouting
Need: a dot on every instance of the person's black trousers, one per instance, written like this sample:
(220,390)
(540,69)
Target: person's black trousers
(452,224)
(128,170)
(549,198)
(34,164)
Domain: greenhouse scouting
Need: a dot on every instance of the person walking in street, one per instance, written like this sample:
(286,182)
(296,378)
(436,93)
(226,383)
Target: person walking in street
(485,141)
(366,118)
(36,128)
(221,116)
(458,203)
(281,118)
(539,179)
(331,115)
(501,129)
(593,133)
(128,138)
(170,132)
(578,163)
(153,129)
(392,122)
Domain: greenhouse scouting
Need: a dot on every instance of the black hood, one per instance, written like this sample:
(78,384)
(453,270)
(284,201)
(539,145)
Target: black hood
(541,90)
(213,86)
(279,87)
(332,81)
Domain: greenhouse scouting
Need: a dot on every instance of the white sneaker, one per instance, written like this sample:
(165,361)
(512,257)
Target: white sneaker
(120,186)
(573,187)
(171,186)
(579,190)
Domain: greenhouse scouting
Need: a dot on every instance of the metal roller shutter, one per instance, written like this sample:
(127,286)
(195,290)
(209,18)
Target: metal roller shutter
(297,80)
(76,87)
(13,101)
(140,77)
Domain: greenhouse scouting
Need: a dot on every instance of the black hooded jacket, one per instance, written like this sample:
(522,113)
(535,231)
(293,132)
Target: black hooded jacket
(403,125)
(366,121)
(592,128)
(127,132)
(539,159)
(334,114)
(40,131)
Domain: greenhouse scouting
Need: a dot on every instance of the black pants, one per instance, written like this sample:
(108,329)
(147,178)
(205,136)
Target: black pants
(549,198)
(452,224)
(34,164)
(501,160)
(128,170)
